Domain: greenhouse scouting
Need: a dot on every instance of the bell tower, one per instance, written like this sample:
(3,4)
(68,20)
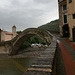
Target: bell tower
(14,31)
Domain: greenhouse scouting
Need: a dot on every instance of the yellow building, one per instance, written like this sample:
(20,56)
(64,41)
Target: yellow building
(67,18)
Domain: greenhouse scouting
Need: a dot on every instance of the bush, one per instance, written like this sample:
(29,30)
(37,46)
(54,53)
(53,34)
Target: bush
(34,39)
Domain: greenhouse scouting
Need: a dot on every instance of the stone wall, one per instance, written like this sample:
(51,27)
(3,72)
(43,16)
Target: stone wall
(5,47)
(4,50)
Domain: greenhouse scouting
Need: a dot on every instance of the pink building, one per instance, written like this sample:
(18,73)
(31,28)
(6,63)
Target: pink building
(6,36)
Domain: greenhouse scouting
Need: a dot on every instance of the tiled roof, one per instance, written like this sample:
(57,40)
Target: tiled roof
(9,33)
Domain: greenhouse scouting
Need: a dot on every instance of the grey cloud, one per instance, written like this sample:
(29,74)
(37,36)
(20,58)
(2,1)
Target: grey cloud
(27,13)
(43,1)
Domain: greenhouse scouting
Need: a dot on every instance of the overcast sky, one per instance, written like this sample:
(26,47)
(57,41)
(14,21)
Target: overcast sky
(27,13)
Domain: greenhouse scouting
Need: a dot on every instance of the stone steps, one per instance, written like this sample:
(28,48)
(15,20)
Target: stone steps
(43,64)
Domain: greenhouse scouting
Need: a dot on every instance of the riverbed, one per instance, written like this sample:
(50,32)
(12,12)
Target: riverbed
(15,66)
(18,64)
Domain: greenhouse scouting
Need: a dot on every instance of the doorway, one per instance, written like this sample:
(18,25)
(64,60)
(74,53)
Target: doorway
(65,30)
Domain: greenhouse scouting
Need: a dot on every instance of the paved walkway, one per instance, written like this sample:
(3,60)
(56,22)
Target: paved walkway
(69,43)
(68,54)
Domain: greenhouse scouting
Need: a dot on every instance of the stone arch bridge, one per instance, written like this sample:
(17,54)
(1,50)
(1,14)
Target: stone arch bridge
(11,47)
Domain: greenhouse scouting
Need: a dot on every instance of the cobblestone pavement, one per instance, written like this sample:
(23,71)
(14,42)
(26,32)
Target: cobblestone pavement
(68,54)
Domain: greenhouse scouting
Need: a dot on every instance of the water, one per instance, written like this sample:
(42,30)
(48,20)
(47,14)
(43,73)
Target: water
(15,66)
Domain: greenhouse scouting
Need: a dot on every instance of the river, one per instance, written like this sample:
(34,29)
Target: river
(14,66)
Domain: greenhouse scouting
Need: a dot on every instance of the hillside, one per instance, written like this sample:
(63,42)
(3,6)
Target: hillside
(52,26)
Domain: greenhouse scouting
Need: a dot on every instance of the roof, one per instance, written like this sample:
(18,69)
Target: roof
(9,33)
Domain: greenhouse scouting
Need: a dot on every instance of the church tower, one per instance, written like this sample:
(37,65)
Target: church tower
(14,31)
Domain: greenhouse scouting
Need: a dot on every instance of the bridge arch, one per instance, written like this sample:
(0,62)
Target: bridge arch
(26,34)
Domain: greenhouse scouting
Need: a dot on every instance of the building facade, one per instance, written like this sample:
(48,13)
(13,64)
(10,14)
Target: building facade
(6,36)
(67,18)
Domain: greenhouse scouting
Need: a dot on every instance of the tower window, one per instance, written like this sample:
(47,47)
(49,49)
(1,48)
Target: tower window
(73,15)
(70,1)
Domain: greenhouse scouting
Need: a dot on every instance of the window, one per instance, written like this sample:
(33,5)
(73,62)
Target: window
(70,1)
(65,18)
(73,15)
(65,7)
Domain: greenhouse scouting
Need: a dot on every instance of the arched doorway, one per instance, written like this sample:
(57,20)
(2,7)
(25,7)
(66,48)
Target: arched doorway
(65,30)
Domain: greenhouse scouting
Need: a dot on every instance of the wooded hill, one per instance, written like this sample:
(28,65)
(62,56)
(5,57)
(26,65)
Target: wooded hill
(52,26)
